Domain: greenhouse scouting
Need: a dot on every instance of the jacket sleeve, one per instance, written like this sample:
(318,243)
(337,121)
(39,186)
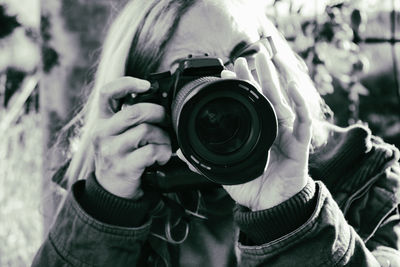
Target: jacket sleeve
(78,239)
(324,238)
(385,242)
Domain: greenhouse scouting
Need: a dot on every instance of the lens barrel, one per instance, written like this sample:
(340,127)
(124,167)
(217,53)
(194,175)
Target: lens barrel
(224,128)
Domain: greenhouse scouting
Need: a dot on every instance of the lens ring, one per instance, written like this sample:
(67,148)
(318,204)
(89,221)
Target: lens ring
(202,151)
(253,163)
(184,94)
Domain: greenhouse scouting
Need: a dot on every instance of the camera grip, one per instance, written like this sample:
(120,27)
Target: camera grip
(174,176)
(149,97)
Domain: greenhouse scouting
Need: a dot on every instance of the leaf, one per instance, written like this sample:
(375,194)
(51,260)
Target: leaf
(8,23)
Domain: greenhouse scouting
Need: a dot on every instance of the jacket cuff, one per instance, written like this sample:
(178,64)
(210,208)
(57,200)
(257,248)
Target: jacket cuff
(114,210)
(263,226)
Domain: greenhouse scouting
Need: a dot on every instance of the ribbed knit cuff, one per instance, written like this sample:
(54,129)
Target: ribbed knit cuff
(263,226)
(111,209)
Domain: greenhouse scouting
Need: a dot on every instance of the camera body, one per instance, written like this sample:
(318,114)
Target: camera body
(224,127)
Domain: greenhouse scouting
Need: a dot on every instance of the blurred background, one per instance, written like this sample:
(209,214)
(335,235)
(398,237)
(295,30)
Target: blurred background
(48,54)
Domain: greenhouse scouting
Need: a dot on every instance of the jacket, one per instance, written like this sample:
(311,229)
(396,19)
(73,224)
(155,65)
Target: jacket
(347,215)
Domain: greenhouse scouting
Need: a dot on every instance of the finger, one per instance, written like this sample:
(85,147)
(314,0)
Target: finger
(242,70)
(227,74)
(139,136)
(302,123)
(133,115)
(117,89)
(148,155)
(269,81)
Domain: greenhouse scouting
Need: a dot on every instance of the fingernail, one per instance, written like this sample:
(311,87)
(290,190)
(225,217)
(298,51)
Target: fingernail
(266,51)
(143,84)
(241,61)
(272,46)
(228,74)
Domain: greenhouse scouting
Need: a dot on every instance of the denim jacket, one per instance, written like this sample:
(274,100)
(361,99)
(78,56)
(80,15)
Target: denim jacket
(353,220)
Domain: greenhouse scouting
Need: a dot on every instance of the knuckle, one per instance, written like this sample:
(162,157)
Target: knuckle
(151,151)
(153,112)
(133,114)
(105,148)
(145,112)
(102,144)
(105,164)
(306,122)
(167,153)
(144,129)
(95,137)
(104,91)
(306,117)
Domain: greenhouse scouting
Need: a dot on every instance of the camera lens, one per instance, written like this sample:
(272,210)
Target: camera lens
(222,125)
(224,128)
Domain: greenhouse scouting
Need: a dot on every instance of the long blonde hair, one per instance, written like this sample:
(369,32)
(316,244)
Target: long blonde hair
(135,45)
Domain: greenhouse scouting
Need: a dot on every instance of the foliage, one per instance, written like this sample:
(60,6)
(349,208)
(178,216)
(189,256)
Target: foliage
(20,192)
(15,72)
(330,44)
(8,23)
(50,57)
(20,167)
(13,83)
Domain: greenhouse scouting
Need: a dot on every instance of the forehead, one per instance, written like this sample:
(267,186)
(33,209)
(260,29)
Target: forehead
(213,27)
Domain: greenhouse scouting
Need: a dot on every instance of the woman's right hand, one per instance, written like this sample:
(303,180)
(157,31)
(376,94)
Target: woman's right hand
(127,141)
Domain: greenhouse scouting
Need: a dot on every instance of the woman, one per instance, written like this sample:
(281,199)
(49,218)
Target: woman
(334,207)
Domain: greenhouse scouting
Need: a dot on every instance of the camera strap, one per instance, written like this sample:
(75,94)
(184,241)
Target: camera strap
(174,219)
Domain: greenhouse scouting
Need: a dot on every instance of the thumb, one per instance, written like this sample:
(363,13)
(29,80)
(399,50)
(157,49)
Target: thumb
(227,74)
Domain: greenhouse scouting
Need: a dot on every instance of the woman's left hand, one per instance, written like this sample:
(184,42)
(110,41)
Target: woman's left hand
(287,170)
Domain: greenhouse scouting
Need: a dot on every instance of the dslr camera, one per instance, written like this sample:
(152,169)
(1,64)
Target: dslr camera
(224,127)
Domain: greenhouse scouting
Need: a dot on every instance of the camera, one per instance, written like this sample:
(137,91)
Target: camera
(224,127)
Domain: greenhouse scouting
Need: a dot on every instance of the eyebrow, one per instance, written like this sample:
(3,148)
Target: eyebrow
(240,46)
(232,55)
